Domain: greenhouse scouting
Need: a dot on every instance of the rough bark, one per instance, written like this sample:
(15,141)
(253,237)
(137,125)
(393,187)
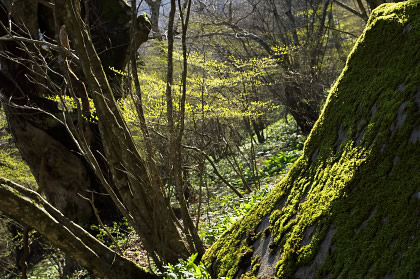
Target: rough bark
(109,27)
(19,90)
(143,202)
(29,207)
(59,179)
(111,160)
(154,6)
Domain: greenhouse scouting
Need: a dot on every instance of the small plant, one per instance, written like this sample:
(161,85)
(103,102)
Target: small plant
(120,231)
(186,269)
(248,202)
(223,221)
(279,162)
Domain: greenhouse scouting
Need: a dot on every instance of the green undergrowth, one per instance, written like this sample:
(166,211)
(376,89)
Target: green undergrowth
(116,235)
(350,206)
(229,210)
(282,147)
(186,269)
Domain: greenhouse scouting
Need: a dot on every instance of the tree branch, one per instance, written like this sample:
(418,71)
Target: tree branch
(213,165)
(30,208)
(44,43)
(350,9)
(242,35)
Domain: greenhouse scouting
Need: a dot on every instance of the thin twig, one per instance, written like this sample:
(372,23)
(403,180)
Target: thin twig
(44,43)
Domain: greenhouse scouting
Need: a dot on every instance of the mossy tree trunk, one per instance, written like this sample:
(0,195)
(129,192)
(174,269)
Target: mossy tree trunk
(141,201)
(350,206)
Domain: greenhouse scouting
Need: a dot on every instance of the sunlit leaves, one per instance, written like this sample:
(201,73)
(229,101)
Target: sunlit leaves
(217,89)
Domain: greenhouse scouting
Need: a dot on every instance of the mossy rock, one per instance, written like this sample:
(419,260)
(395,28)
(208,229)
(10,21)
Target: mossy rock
(350,206)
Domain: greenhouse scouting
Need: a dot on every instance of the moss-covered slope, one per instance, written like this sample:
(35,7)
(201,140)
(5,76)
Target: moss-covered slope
(350,206)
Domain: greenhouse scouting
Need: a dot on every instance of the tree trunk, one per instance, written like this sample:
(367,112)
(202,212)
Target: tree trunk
(259,126)
(302,103)
(30,208)
(110,159)
(140,200)
(154,6)
(63,179)
(290,16)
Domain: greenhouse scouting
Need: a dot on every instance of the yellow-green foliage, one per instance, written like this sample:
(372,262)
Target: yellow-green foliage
(215,89)
(359,176)
(69,104)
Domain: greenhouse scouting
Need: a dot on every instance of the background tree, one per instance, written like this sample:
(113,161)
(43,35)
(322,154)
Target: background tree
(154,6)
(301,36)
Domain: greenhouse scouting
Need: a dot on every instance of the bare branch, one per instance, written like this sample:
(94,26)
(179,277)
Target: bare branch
(43,43)
(350,9)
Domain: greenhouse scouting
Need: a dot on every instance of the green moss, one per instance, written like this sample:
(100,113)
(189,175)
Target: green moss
(248,275)
(255,268)
(357,181)
(255,265)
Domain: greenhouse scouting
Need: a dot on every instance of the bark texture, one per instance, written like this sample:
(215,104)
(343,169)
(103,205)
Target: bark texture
(140,200)
(98,153)
(43,141)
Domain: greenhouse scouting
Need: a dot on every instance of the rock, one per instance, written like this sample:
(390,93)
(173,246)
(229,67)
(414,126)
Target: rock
(350,204)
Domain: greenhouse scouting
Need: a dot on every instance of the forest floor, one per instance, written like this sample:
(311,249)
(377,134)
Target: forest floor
(220,207)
